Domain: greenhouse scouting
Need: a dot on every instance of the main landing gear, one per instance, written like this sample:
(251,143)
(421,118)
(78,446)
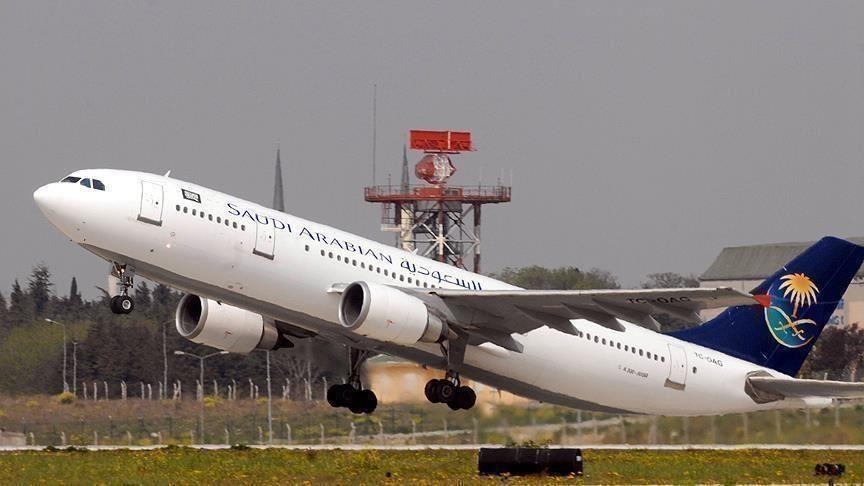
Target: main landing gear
(352,395)
(450,389)
(122,303)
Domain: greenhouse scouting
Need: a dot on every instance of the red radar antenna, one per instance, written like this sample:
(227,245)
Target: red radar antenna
(433,219)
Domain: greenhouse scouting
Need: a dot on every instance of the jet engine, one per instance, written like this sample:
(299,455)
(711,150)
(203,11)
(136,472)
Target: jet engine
(213,323)
(388,314)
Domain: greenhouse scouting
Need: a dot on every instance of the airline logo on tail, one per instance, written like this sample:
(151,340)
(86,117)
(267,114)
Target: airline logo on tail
(791,298)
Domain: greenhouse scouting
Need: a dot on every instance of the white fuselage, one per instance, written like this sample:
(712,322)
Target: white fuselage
(285,267)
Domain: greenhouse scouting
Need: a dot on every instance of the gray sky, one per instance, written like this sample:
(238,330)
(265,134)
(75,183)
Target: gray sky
(642,136)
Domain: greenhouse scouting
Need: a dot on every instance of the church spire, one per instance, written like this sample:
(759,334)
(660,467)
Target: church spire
(278,197)
(406,181)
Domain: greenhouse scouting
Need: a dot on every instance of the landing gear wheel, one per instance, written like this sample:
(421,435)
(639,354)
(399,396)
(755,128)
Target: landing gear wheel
(369,401)
(446,391)
(465,398)
(339,395)
(431,390)
(122,304)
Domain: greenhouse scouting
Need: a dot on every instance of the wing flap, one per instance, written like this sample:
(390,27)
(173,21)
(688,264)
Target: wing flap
(555,308)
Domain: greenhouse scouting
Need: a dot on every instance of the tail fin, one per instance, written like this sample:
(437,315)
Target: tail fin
(796,303)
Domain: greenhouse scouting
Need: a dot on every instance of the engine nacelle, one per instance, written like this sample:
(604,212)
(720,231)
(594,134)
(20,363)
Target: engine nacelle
(212,323)
(388,314)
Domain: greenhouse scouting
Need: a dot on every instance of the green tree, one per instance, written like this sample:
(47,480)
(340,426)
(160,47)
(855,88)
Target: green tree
(670,280)
(20,310)
(74,294)
(142,298)
(4,325)
(562,278)
(838,353)
(40,289)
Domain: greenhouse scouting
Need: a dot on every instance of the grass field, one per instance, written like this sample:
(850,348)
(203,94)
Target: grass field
(180,465)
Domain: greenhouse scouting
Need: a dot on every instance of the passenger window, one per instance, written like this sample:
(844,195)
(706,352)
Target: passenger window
(338,258)
(385,273)
(194,212)
(330,254)
(322,252)
(362,264)
(640,352)
(85,183)
(604,340)
(307,247)
(97,184)
(210,217)
(227,223)
(234,224)
(619,345)
(401,278)
(178,208)
(409,279)
(242,227)
(185,209)
(202,214)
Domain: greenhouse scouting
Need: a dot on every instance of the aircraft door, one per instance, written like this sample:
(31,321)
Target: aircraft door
(677,367)
(265,240)
(151,203)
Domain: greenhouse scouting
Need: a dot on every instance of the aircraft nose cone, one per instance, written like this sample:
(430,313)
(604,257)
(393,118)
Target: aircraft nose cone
(47,198)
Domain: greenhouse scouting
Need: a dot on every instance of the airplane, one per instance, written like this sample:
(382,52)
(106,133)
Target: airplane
(255,278)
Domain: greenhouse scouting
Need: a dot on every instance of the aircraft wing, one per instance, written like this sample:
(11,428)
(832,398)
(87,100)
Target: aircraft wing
(772,388)
(495,314)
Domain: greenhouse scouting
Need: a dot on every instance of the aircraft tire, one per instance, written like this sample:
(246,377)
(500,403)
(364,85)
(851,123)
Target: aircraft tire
(465,398)
(368,400)
(431,390)
(446,391)
(125,304)
(339,395)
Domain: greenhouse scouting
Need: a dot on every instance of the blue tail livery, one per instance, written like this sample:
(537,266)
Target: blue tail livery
(796,303)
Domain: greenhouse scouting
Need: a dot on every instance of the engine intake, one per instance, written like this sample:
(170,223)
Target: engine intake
(212,323)
(388,314)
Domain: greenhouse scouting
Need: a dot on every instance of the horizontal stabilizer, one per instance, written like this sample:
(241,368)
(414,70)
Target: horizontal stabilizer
(780,388)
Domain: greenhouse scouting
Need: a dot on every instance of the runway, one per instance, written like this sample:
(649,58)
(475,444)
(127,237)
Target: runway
(351,447)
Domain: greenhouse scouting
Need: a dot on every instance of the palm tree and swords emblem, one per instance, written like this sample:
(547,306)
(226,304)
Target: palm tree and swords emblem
(795,294)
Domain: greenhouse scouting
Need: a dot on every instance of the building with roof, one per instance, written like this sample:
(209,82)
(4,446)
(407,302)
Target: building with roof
(745,267)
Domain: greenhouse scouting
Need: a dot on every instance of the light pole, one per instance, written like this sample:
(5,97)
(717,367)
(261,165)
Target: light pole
(269,404)
(75,368)
(201,381)
(165,360)
(65,384)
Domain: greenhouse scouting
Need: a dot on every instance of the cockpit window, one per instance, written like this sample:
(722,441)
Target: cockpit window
(87,182)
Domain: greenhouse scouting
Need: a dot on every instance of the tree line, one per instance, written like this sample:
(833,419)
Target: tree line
(102,346)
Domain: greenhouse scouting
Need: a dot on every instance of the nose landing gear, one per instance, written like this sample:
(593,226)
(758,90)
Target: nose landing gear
(122,303)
